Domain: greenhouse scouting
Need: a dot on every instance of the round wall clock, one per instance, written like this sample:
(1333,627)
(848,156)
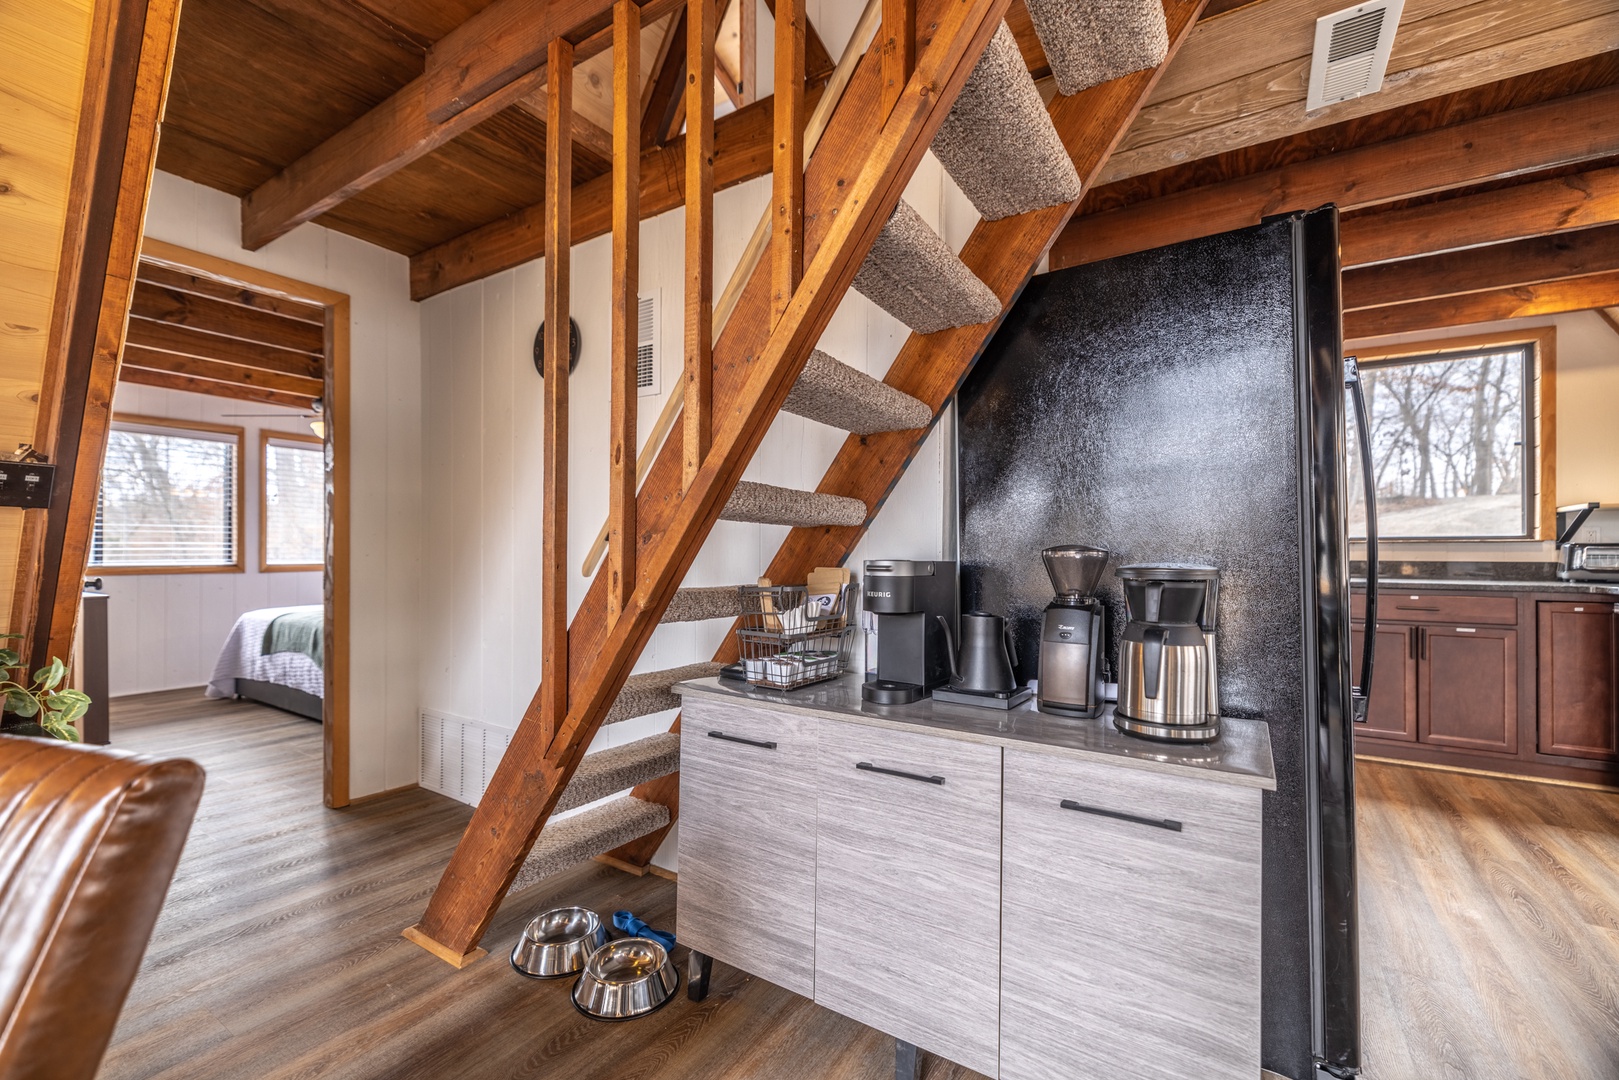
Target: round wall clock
(573,347)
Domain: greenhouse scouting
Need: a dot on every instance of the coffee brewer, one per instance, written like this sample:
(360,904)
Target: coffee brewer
(909,600)
(1073,633)
(1168,680)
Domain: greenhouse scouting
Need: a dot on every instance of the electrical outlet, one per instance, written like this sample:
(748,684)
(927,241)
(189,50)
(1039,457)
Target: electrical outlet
(26,484)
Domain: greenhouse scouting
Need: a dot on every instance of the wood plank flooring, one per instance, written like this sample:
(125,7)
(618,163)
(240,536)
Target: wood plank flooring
(1489,927)
(278,954)
(1490,930)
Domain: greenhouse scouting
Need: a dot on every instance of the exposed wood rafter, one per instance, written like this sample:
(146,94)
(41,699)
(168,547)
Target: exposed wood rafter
(1517,302)
(1560,132)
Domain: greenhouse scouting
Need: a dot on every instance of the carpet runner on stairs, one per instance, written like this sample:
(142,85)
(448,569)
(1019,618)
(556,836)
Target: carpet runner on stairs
(912,274)
(766,504)
(835,394)
(566,842)
(619,768)
(1091,43)
(708,602)
(653,691)
(998,143)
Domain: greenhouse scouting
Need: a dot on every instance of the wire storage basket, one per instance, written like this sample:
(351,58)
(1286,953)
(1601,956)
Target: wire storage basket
(791,637)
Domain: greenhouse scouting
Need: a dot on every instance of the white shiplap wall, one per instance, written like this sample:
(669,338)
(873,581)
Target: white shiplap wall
(482,397)
(164,630)
(386,503)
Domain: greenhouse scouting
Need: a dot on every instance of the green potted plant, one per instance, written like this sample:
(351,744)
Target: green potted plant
(42,707)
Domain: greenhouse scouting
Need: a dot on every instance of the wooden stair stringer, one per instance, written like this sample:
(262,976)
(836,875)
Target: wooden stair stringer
(854,180)
(930,367)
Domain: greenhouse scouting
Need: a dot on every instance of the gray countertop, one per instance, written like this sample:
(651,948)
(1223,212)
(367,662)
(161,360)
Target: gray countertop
(1241,755)
(1597,588)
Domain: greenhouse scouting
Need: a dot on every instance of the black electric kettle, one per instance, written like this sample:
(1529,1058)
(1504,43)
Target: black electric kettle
(984,664)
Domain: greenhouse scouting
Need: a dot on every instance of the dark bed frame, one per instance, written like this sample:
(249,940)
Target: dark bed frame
(281,697)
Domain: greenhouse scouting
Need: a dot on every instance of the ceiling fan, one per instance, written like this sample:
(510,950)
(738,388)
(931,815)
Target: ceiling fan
(316,417)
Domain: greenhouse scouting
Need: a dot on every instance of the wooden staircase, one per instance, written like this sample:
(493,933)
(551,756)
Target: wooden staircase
(855,231)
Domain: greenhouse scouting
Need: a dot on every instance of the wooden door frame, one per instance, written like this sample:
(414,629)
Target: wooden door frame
(335,781)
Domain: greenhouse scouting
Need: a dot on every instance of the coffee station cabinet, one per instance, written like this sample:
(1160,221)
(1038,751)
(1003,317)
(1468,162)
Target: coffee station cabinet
(1511,681)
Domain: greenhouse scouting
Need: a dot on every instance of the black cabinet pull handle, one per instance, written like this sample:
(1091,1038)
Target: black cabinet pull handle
(1411,635)
(866,766)
(740,739)
(1423,652)
(1157,823)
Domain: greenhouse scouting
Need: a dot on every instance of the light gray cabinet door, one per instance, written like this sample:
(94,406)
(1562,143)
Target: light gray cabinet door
(747,840)
(1130,951)
(907,892)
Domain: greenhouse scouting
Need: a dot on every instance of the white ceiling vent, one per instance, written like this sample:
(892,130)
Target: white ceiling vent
(1352,52)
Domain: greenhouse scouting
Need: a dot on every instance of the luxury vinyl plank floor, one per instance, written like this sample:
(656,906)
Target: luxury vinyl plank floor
(1489,927)
(278,953)
(1490,937)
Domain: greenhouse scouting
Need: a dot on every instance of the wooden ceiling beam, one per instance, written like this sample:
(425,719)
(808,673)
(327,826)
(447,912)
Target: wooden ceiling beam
(501,50)
(168,337)
(152,301)
(1564,131)
(1548,298)
(1521,262)
(1537,208)
(168,380)
(169,278)
(220,371)
(743,145)
(595,139)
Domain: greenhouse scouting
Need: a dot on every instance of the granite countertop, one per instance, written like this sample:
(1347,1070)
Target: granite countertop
(1241,755)
(1473,585)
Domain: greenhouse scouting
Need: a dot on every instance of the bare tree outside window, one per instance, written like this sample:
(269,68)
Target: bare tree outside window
(1450,446)
(294,503)
(168,499)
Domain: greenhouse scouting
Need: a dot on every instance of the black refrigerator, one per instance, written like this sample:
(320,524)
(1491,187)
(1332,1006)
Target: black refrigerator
(1188,404)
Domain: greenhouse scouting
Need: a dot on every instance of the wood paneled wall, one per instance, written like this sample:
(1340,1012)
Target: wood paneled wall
(43,46)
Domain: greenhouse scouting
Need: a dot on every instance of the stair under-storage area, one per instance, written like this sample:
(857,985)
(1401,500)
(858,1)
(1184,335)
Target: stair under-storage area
(1022,164)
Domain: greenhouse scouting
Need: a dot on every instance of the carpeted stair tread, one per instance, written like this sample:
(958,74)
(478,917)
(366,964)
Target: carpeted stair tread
(569,841)
(653,691)
(835,394)
(709,602)
(766,504)
(619,768)
(912,274)
(998,143)
(1099,40)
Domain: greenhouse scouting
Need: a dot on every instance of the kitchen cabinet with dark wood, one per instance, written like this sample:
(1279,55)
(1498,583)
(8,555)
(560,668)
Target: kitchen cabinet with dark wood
(1578,670)
(1392,713)
(1467,687)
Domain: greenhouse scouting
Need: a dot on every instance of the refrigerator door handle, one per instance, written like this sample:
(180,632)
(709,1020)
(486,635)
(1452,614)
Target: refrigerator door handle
(1361,693)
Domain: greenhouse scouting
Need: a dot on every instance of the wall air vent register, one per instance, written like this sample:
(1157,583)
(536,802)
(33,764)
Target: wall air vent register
(1351,54)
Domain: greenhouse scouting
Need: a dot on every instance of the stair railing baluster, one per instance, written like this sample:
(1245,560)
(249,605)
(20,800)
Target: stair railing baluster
(625,303)
(787,166)
(898,38)
(554,505)
(699,353)
(819,117)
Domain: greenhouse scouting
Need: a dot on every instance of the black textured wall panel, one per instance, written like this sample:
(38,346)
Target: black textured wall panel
(1148,405)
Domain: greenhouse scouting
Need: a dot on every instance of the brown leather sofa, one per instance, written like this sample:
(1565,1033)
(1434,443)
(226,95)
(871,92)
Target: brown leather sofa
(89,839)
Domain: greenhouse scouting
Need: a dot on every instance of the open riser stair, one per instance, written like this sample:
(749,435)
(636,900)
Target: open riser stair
(1023,164)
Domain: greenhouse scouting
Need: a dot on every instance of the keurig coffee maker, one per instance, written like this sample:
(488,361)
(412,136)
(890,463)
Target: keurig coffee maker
(908,599)
(1168,681)
(1073,634)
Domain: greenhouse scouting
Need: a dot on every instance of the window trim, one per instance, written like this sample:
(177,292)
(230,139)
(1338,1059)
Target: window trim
(239,525)
(1541,417)
(266,437)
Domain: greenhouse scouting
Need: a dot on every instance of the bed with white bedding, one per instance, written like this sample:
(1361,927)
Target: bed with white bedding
(272,668)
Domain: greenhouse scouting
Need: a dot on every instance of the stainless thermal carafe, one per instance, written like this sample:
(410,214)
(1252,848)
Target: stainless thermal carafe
(1168,680)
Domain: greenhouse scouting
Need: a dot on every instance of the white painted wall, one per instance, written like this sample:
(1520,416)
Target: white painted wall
(386,505)
(164,630)
(1587,438)
(480,639)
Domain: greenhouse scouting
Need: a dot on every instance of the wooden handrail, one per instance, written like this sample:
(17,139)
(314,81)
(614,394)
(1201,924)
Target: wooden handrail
(864,31)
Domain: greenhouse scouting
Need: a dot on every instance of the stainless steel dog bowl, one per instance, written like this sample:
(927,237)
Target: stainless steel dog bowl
(558,942)
(624,979)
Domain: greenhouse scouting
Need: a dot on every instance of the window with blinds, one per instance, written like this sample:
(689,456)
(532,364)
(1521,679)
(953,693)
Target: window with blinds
(294,504)
(170,498)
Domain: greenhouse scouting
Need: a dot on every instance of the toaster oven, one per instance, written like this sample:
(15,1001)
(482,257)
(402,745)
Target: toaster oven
(1588,542)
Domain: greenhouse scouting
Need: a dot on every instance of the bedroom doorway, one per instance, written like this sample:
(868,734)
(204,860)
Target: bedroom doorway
(327,402)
